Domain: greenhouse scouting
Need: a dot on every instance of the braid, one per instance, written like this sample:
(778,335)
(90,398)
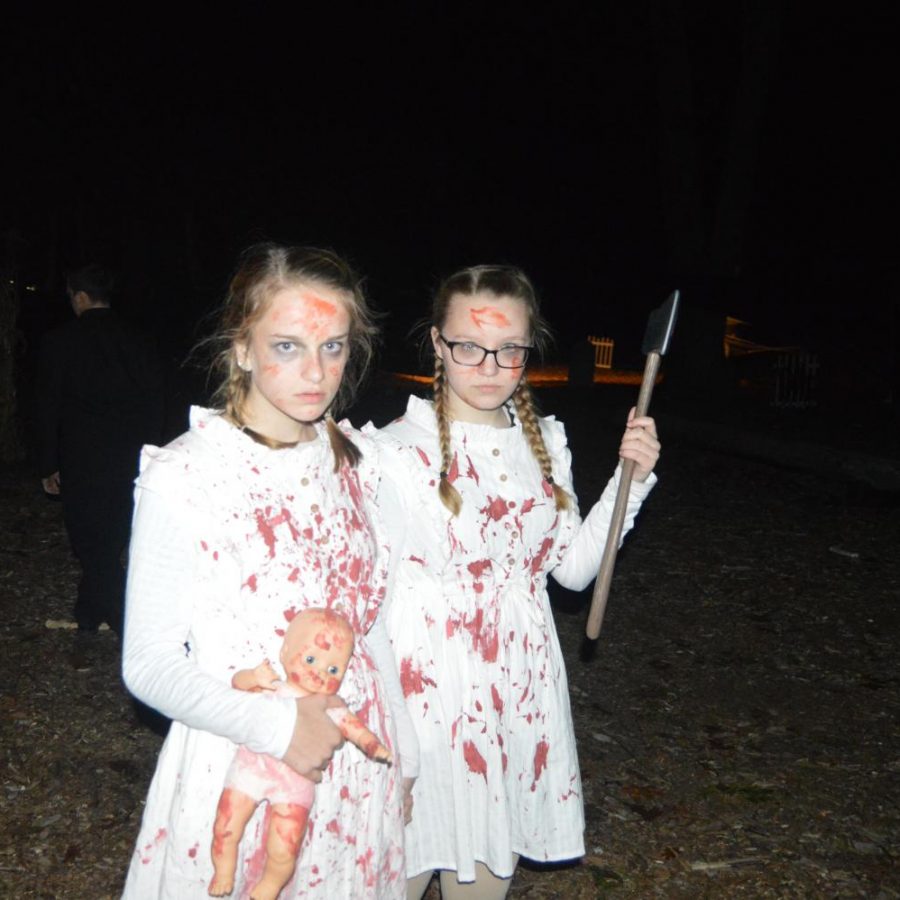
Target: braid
(525,410)
(233,392)
(449,495)
(345,451)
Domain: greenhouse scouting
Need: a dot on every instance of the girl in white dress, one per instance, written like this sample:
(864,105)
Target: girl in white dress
(263,508)
(477,495)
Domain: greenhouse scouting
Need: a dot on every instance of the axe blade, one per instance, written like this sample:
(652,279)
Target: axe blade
(660,326)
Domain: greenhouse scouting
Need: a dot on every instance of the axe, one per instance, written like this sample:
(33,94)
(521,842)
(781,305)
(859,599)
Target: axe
(656,342)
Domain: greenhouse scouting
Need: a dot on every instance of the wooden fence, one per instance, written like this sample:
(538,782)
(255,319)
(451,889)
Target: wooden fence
(796,377)
(603,352)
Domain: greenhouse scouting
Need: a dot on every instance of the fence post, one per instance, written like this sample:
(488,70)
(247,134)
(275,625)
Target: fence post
(795,380)
(603,352)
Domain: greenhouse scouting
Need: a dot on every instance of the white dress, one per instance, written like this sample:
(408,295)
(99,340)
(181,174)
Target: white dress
(470,621)
(231,539)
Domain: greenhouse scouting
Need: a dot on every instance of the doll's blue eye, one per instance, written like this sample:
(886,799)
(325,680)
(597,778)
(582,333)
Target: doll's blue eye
(333,670)
(310,660)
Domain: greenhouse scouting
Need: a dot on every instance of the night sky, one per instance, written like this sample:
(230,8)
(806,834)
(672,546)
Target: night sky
(601,147)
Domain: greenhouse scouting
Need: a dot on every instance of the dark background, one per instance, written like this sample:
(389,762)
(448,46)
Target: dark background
(613,151)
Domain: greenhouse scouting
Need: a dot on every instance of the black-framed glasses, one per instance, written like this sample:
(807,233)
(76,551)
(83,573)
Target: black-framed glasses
(465,353)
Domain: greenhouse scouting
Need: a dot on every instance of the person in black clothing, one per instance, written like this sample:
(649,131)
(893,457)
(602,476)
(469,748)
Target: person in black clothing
(100,398)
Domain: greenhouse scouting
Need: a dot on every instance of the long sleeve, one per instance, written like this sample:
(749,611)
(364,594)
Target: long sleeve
(392,511)
(579,565)
(379,645)
(156,667)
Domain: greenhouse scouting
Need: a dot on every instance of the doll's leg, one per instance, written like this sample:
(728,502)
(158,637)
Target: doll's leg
(232,815)
(286,828)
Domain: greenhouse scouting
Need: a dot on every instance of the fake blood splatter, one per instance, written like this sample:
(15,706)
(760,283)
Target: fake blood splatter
(540,761)
(253,866)
(413,680)
(321,307)
(266,530)
(321,641)
(484,637)
(498,702)
(496,508)
(365,863)
(474,760)
(488,315)
(424,457)
(266,526)
(147,855)
(539,557)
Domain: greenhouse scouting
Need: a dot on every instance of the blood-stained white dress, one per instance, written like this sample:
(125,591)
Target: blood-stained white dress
(231,539)
(480,663)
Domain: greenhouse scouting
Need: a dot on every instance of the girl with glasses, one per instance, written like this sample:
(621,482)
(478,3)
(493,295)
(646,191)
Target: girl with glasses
(477,495)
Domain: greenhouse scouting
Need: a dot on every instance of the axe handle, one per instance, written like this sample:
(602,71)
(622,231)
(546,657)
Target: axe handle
(614,535)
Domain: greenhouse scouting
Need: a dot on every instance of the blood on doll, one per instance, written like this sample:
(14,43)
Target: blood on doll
(317,646)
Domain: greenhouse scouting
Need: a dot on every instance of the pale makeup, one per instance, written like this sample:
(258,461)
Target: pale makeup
(296,356)
(477,393)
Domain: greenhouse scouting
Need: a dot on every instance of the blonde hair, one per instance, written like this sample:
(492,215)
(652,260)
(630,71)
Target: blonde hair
(501,281)
(263,270)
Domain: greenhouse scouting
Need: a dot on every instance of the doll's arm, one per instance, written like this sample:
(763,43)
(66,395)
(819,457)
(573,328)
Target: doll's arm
(262,678)
(354,731)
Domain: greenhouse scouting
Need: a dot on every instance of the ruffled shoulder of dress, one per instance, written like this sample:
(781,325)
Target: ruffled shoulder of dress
(409,458)
(413,426)
(554,433)
(360,436)
(186,467)
(368,469)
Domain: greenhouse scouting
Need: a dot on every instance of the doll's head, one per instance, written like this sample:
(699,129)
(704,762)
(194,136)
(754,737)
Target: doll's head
(317,646)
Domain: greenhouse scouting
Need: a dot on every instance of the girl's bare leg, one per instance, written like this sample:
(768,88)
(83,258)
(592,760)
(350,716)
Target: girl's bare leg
(418,884)
(286,828)
(486,886)
(232,815)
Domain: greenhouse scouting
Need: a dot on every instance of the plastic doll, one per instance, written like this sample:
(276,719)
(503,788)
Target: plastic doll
(317,647)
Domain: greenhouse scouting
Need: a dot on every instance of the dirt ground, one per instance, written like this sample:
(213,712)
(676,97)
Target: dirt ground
(737,719)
